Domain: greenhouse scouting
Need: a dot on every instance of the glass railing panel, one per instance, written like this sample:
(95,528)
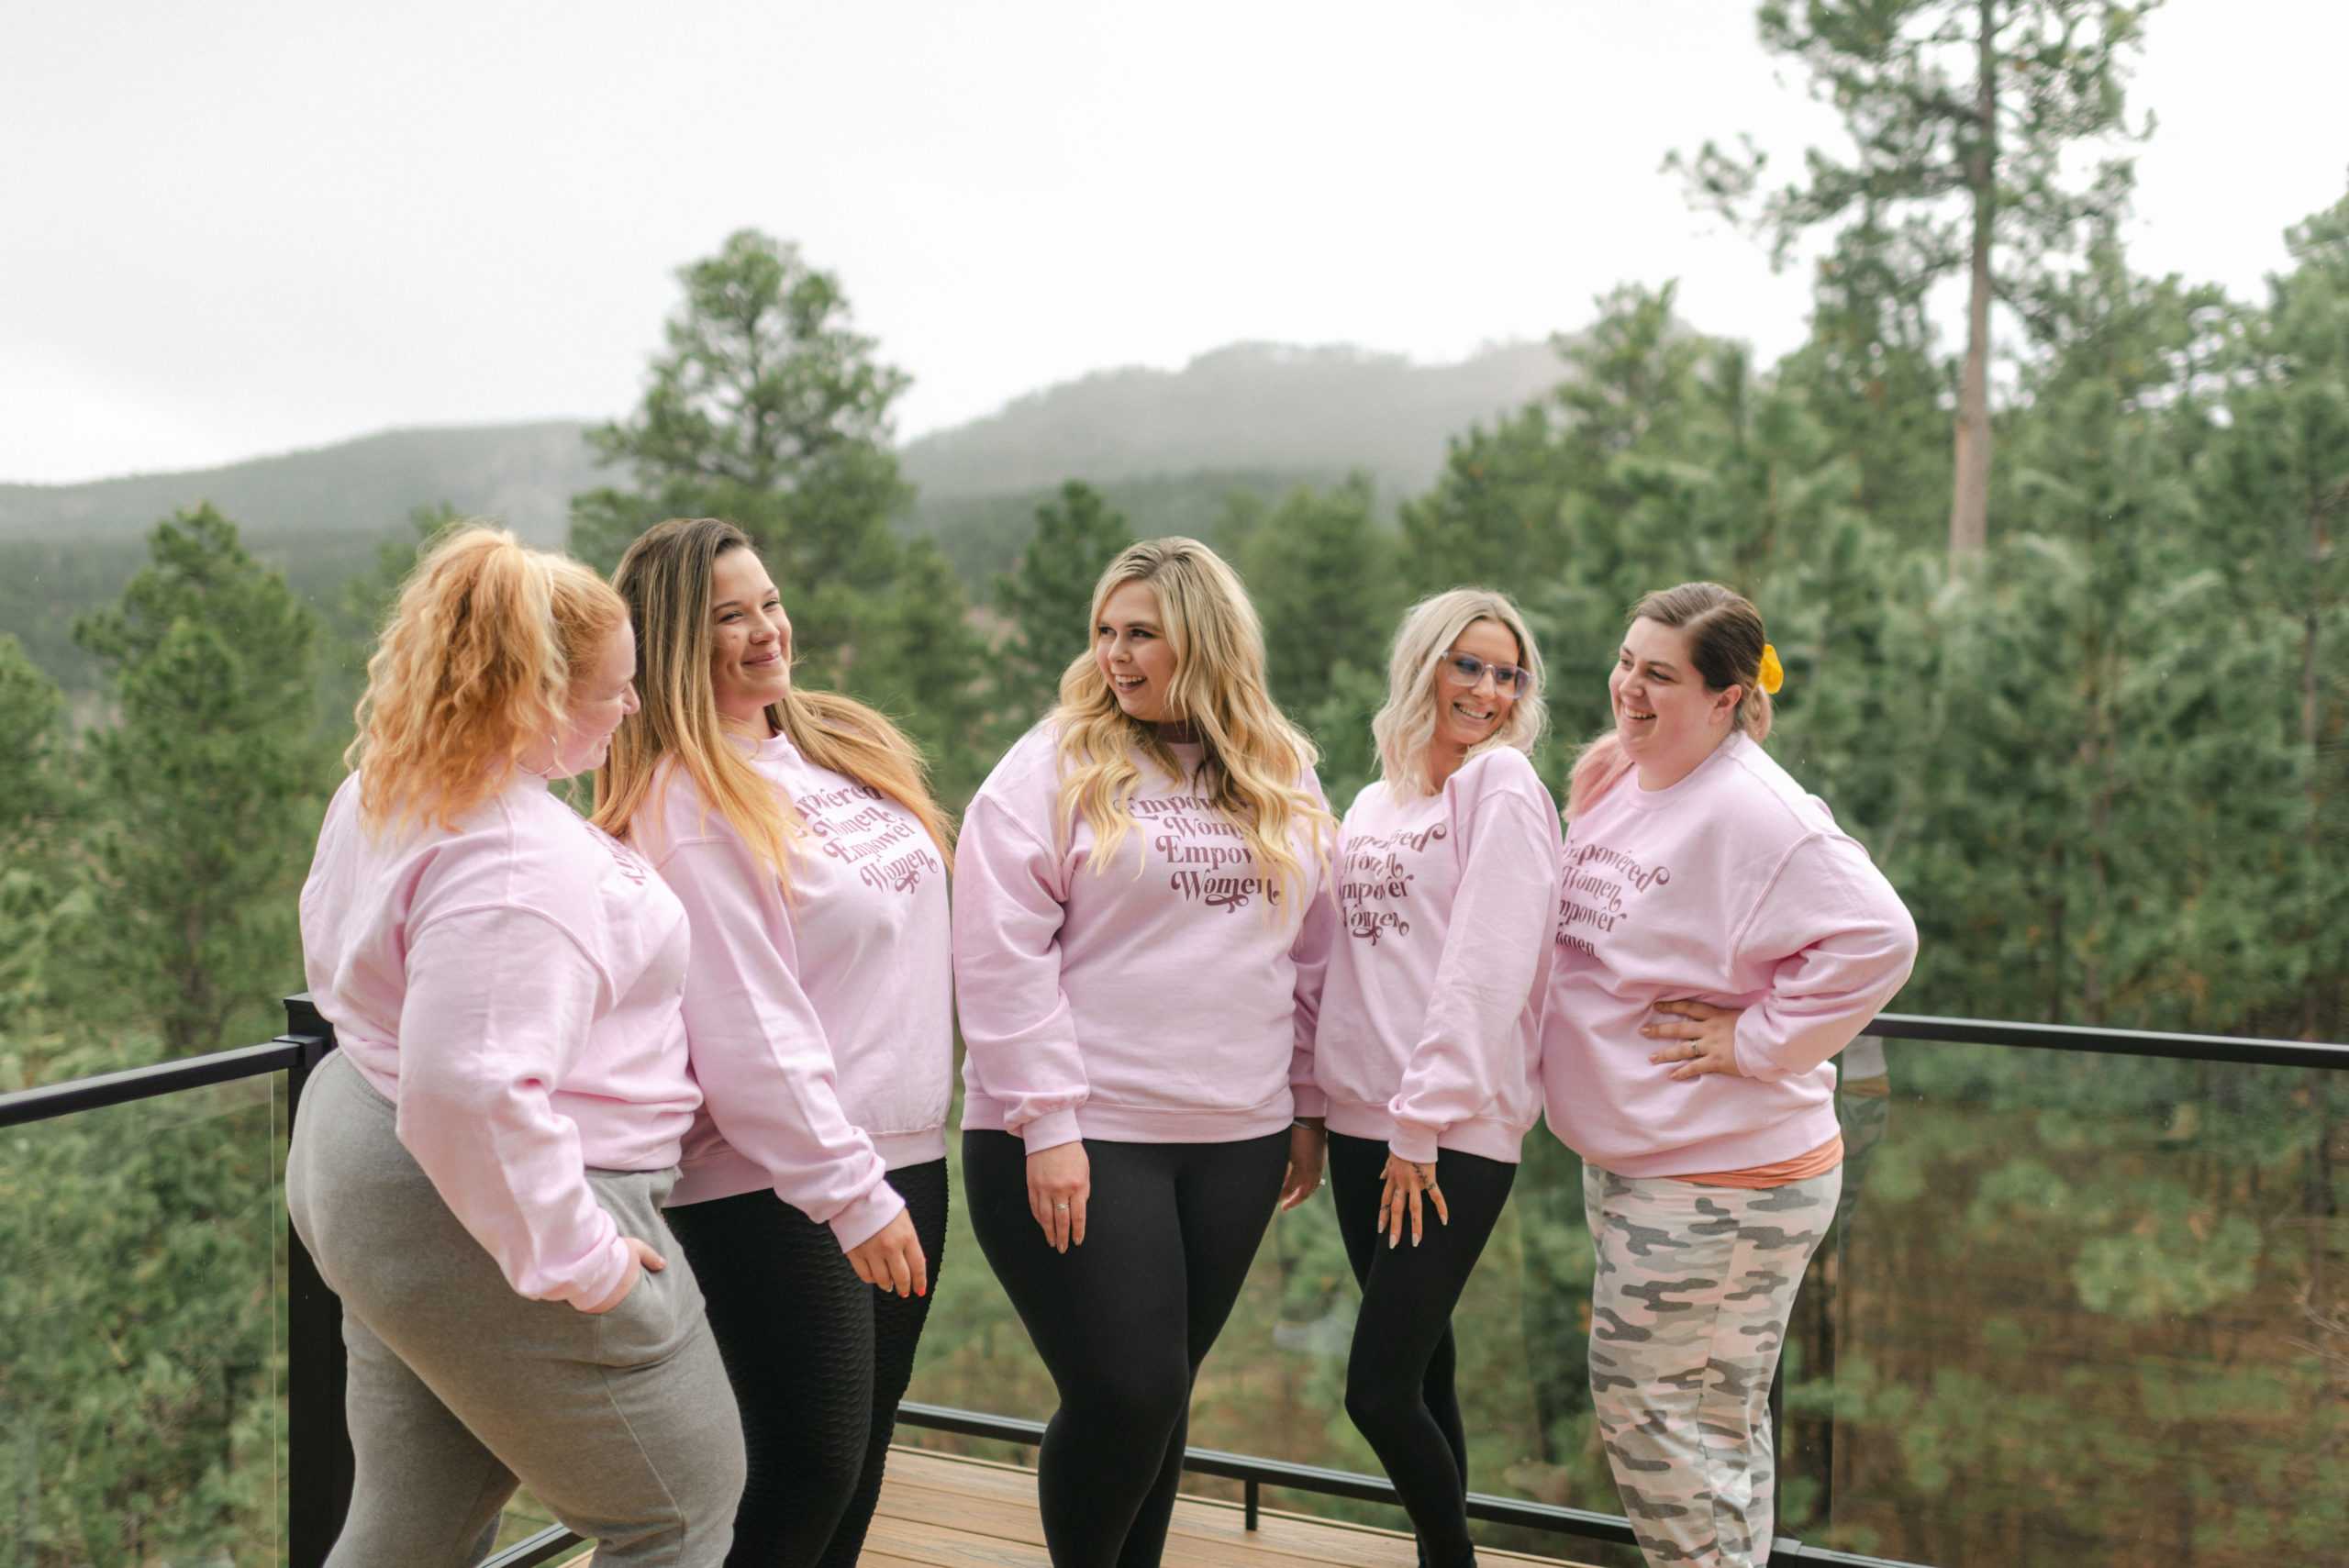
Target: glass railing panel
(1274,1386)
(142,1377)
(2081,1309)
(2076,1307)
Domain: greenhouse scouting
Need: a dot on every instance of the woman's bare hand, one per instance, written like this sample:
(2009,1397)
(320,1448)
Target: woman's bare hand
(1704,1037)
(640,1257)
(1059,1181)
(1307,1147)
(891,1258)
(1405,1182)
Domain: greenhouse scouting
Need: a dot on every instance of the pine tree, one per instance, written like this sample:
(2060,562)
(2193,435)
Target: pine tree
(1961,112)
(1047,597)
(1322,575)
(770,411)
(2276,493)
(208,789)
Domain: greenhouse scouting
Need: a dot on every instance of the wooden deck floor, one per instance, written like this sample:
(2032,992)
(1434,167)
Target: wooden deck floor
(937,1511)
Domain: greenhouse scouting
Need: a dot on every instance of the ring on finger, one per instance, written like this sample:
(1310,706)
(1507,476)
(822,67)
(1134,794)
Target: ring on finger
(1059,1207)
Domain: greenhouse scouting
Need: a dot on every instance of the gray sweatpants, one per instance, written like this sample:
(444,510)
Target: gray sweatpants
(622,1424)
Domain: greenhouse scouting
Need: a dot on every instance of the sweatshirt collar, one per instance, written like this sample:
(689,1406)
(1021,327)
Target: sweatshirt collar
(1658,799)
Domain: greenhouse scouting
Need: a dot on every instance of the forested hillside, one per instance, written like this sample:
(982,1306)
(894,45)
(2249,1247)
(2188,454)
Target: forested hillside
(1168,446)
(2073,663)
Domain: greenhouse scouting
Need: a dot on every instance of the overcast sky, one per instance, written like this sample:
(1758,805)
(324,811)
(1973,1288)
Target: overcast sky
(234,228)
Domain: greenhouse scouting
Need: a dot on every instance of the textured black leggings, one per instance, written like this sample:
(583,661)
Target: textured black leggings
(818,1360)
(1399,1376)
(1123,1321)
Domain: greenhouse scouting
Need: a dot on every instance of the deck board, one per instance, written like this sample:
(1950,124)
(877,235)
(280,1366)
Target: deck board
(943,1511)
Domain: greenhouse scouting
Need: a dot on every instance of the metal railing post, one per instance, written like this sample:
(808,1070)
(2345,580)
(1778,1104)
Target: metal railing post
(319,1461)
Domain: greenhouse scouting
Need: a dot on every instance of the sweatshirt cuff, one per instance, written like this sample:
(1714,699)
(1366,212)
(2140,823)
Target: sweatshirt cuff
(1050,1130)
(1310,1100)
(611,1267)
(863,1220)
(1413,1142)
(1752,1060)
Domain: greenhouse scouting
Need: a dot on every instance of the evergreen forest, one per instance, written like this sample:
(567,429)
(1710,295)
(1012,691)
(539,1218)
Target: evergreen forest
(2064,614)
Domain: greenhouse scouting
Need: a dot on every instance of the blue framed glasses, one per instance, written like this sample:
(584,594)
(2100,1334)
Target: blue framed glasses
(1467,669)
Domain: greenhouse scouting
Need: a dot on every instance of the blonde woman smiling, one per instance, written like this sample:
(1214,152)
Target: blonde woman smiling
(796,826)
(1429,1037)
(1139,929)
(479,1169)
(1719,941)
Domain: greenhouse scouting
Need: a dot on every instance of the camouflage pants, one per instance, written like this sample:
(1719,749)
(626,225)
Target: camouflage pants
(1687,1313)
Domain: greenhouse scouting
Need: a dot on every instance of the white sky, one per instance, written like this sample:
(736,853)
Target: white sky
(238,228)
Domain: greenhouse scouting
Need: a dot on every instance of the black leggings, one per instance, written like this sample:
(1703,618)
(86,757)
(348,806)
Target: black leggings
(1123,1321)
(818,1360)
(1399,1376)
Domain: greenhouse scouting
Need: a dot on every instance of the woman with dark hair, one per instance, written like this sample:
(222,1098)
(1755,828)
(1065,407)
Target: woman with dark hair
(1718,942)
(797,828)
(479,1169)
(1428,1042)
(1140,927)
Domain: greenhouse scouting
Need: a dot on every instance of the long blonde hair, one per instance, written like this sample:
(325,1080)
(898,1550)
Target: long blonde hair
(1406,725)
(1254,756)
(474,670)
(665,579)
(1725,643)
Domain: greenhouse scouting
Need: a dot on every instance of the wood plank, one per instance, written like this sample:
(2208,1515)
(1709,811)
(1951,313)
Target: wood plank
(951,1547)
(1215,1527)
(946,1511)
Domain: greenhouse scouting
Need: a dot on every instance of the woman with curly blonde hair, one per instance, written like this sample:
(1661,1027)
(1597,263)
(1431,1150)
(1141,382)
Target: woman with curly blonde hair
(479,1169)
(797,828)
(1141,923)
(1428,1043)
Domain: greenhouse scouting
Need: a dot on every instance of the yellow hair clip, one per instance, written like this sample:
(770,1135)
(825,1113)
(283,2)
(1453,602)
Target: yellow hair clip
(1774,674)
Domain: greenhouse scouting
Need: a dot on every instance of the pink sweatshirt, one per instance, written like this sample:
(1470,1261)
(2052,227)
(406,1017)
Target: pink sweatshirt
(514,987)
(1431,1024)
(1159,1001)
(1732,887)
(822,1025)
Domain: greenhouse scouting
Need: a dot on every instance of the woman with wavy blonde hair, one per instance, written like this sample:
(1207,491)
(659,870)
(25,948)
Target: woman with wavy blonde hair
(479,1169)
(1429,1043)
(797,829)
(1140,922)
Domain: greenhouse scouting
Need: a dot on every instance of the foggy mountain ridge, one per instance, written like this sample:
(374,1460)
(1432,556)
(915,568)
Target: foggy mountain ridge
(1243,406)
(523,474)
(1315,413)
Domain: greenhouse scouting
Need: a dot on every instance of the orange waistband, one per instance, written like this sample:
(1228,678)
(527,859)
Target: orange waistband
(1801,1168)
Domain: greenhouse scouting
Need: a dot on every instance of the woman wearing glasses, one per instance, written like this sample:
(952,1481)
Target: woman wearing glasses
(1140,924)
(1718,939)
(1428,1044)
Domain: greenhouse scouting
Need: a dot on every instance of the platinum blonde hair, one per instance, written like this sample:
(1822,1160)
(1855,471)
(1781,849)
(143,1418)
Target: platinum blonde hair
(1405,728)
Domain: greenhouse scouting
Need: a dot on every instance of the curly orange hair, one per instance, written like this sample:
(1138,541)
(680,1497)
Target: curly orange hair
(473,669)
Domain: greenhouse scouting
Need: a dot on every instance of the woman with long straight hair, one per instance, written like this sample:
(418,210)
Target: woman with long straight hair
(479,1169)
(1718,942)
(1141,923)
(1428,1045)
(797,828)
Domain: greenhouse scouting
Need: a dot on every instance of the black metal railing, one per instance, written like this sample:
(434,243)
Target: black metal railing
(319,1461)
